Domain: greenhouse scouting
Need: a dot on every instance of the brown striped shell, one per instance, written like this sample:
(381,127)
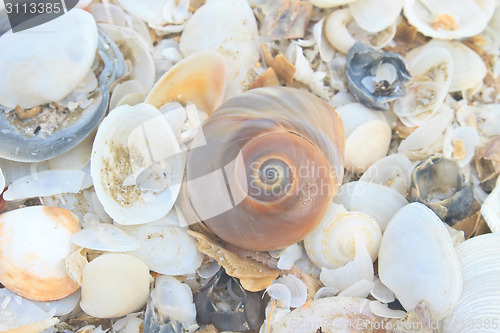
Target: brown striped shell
(263,169)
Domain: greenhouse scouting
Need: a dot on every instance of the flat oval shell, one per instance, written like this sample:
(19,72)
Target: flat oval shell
(34,242)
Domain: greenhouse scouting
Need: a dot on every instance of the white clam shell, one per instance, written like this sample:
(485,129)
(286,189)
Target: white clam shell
(43,68)
(174,299)
(230,28)
(113,285)
(491,208)
(120,154)
(77,158)
(416,235)
(393,171)
(469,69)
(62,306)
(333,243)
(432,69)
(2,180)
(105,237)
(290,290)
(470,16)
(34,242)
(165,248)
(139,50)
(376,15)
(130,92)
(329,3)
(377,201)
(479,259)
(325,49)
(332,314)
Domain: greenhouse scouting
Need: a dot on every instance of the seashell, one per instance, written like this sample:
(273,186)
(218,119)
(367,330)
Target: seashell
(133,186)
(469,69)
(47,182)
(154,12)
(61,307)
(75,159)
(375,16)
(289,256)
(34,241)
(108,13)
(174,300)
(21,315)
(449,19)
(393,171)
(480,264)
(137,50)
(377,201)
(246,314)
(198,79)
(284,20)
(230,28)
(113,285)
(342,32)
(332,243)
(417,235)
(130,92)
(330,314)
(440,184)
(21,141)
(432,68)
(460,144)
(165,248)
(252,275)
(425,140)
(105,237)
(288,289)
(491,208)
(375,78)
(263,139)
(325,50)
(2,180)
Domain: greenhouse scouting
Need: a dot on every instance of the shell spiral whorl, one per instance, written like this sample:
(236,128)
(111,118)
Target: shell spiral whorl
(263,169)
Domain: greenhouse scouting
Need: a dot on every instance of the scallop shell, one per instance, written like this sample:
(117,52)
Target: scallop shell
(113,285)
(449,19)
(416,235)
(230,28)
(274,155)
(332,243)
(377,201)
(133,186)
(34,241)
(479,261)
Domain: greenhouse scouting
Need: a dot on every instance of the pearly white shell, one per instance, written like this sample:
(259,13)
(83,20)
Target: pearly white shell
(47,61)
(133,186)
(479,259)
(113,285)
(417,261)
(332,243)
(393,171)
(376,15)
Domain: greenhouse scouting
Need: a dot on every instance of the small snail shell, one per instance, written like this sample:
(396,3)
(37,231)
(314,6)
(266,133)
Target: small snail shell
(263,169)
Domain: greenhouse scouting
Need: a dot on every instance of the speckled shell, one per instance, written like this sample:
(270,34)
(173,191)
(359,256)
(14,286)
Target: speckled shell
(285,132)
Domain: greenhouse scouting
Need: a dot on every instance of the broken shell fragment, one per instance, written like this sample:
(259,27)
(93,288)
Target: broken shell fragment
(34,242)
(376,15)
(375,78)
(133,184)
(439,183)
(113,285)
(416,235)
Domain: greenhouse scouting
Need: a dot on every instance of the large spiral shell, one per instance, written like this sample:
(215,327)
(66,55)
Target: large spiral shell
(263,169)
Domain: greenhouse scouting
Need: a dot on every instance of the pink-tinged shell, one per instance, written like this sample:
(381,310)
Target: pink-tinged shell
(199,79)
(33,244)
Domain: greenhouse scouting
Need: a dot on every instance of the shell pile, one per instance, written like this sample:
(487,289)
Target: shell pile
(251,166)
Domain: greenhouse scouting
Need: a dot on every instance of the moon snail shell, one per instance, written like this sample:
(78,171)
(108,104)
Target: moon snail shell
(264,167)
